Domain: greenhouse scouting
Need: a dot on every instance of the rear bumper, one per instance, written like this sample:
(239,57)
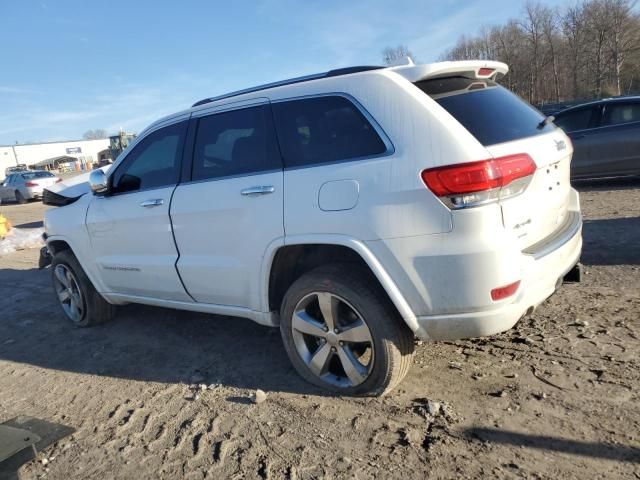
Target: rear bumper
(33,192)
(541,278)
(447,279)
(542,267)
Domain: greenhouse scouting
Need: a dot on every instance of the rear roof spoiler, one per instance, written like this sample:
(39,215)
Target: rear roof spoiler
(480,69)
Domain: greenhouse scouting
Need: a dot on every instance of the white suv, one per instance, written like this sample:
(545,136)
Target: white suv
(355,209)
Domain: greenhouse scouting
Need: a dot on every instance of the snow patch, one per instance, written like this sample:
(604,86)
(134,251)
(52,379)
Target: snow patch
(21,239)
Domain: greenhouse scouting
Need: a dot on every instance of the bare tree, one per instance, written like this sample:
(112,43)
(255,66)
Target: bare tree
(531,25)
(96,134)
(597,22)
(390,55)
(624,36)
(559,54)
(574,31)
(550,31)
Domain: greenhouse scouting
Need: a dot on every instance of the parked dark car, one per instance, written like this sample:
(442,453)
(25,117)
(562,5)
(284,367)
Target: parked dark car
(605,136)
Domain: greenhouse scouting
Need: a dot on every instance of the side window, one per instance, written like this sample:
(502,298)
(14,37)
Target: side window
(324,129)
(619,113)
(153,163)
(578,119)
(238,142)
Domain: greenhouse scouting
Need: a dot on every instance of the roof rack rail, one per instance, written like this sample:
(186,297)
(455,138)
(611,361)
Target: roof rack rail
(331,73)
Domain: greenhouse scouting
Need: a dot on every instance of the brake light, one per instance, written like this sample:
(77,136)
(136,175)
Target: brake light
(475,183)
(484,71)
(58,180)
(30,184)
(504,292)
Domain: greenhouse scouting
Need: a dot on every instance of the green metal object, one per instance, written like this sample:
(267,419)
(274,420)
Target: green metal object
(13,440)
(119,142)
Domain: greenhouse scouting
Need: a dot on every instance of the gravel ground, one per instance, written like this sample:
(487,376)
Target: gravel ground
(555,397)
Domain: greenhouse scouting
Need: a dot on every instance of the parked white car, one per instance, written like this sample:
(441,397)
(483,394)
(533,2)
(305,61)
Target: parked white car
(23,186)
(355,209)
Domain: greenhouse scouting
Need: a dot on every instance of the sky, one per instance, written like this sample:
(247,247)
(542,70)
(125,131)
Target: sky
(67,66)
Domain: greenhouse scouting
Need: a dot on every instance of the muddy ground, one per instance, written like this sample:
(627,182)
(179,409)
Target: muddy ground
(556,397)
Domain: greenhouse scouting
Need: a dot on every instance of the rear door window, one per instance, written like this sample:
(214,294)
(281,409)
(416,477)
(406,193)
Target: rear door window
(324,129)
(491,113)
(620,113)
(578,119)
(238,142)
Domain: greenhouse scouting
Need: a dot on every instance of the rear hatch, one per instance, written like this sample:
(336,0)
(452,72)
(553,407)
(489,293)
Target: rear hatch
(506,125)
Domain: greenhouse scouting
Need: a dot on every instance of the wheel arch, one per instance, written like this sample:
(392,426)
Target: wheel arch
(58,243)
(287,262)
(57,246)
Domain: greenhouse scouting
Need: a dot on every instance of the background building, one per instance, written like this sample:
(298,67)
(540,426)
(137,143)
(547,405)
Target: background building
(76,155)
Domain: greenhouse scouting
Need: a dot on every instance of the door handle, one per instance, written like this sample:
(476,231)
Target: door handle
(260,190)
(156,202)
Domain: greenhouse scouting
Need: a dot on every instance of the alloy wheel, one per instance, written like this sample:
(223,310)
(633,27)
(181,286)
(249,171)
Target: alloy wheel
(68,292)
(333,339)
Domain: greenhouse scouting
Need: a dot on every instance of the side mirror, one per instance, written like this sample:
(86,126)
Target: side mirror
(98,182)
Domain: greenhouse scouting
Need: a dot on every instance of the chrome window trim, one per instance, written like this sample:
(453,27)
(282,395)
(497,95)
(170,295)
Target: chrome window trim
(230,177)
(390,148)
(249,103)
(210,110)
(226,108)
(230,106)
(120,194)
(144,134)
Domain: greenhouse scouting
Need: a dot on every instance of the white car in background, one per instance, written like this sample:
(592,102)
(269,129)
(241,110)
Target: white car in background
(23,186)
(354,209)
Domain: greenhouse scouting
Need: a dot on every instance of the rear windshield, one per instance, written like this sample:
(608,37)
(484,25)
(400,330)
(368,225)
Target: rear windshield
(488,111)
(32,175)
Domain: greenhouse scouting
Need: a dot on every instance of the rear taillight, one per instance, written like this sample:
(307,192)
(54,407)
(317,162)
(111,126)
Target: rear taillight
(30,184)
(476,183)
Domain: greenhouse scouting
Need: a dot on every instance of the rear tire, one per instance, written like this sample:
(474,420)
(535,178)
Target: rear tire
(20,198)
(79,300)
(369,360)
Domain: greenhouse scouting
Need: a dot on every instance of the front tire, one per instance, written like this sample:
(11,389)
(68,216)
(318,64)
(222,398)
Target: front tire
(342,334)
(79,300)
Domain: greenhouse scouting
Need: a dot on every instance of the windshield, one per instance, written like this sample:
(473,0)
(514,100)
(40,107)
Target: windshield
(491,113)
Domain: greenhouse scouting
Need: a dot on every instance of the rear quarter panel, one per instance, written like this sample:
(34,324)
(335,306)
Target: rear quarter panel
(392,201)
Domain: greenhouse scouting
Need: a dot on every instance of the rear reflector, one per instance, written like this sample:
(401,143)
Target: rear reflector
(457,182)
(504,292)
(30,184)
